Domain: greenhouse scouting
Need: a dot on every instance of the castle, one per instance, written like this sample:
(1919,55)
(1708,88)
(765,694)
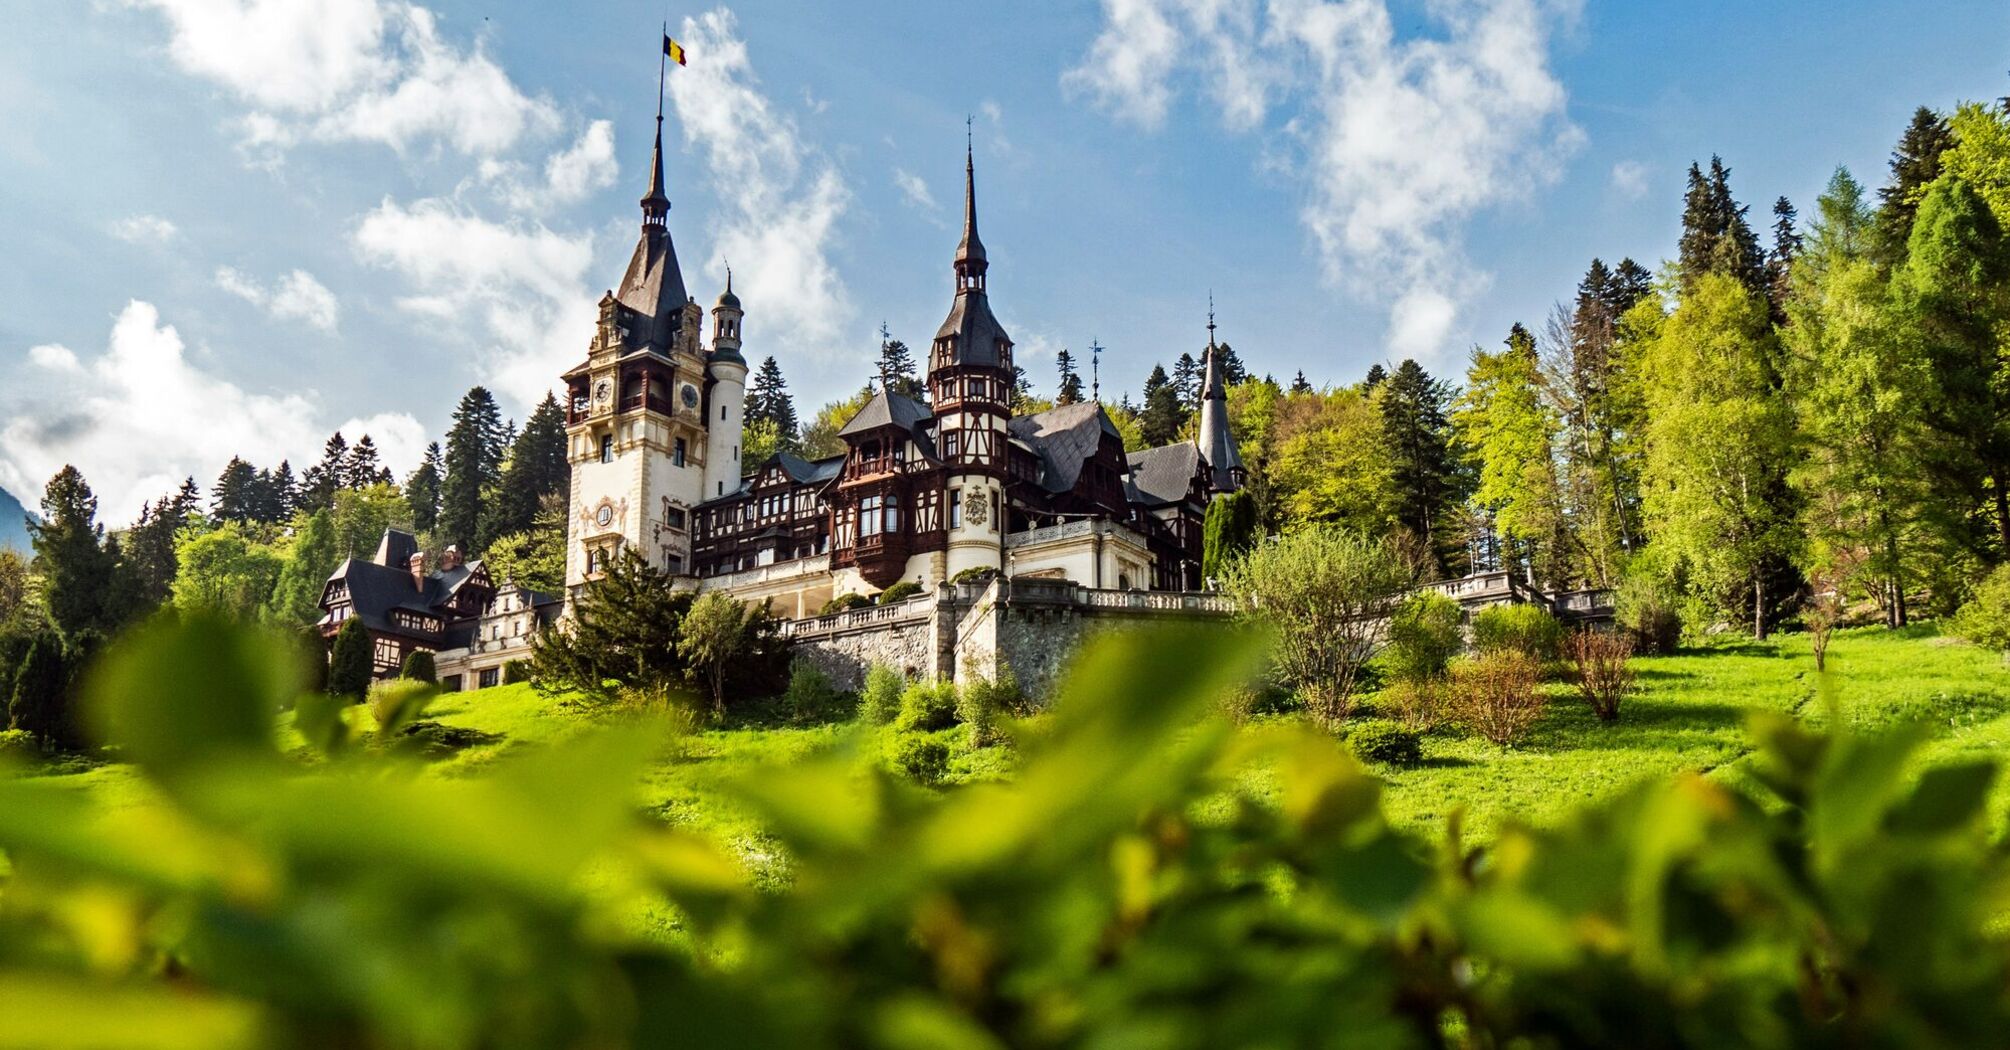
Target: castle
(923,492)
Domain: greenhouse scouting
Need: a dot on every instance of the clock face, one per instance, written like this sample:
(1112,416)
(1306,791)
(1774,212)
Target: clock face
(603,390)
(605,516)
(690,396)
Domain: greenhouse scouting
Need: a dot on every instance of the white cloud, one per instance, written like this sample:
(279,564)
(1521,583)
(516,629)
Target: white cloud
(914,188)
(781,199)
(144,394)
(144,229)
(55,357)
(1629,179)
(518,288)
(296,297)
(570,174)
(369,70)
(1395,141)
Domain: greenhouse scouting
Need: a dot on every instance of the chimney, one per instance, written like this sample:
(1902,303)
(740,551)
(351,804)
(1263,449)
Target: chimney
(419,570)
(450,559)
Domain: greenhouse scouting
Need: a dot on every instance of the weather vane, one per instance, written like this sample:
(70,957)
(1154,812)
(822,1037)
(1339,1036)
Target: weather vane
(1095,370)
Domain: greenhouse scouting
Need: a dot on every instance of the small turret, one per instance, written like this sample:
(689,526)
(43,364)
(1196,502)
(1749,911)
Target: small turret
(726,396)
(1216,442)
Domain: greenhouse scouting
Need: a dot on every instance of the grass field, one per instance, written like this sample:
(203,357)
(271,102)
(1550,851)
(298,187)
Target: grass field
(1688,714)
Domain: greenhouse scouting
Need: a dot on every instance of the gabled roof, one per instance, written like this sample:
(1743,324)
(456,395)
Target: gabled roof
(1064,438)
(887,409)
(1164,475)
(384,584)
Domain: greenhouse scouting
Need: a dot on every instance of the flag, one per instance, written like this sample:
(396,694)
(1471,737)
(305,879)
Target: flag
(673,49)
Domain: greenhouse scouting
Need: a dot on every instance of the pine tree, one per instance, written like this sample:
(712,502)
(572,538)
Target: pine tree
(362,470)
(277,496)
(351,664)
(1233,373)
(78,570)
(1715,236)
(1186,380)
(1376,374)
(422,489)
(1915,163)
(318,484)
(624,628)
(235,497)
(1630,283)
(1229,529)
(1300,384)
(1162,417)
(1419,444)
(768,400)
(40,703)
(537,468)
(1780,261)
(1022,387)
(896,366)
(150,558)
(473,459)
(1071,380)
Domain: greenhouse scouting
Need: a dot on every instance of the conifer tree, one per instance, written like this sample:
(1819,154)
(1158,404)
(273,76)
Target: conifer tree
(235,496)
(319,483)
(473,460)
(277,495)
(1300,384)
(624,628)
(1376,374)
(1162,416)
(362,470)
(1022,387)
(537,468)
(896,364)
(422,489)
(1233,372)
(351,664)
(1071,380)
(1780,261)
(78,568)
(768,400)
(1915,163)
(40,701)
(1186,379)
(1715,236)
(1419,444)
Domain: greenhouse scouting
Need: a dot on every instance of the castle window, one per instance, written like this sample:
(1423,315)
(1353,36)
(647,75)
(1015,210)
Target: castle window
(868,515)
(607,448)
(722,413)
(674,518)
(955,508)
(677,453)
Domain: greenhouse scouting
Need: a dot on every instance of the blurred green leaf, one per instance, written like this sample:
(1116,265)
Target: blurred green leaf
(176,696)
(48,1012)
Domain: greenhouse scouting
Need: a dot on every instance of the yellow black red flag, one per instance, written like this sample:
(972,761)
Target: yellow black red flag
(673,49)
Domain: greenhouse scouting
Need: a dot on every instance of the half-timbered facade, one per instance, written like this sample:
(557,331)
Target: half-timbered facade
(403,607)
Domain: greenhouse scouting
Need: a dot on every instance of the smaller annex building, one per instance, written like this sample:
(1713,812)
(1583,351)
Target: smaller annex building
(453,610)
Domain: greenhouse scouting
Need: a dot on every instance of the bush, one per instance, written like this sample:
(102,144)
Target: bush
(1604,669)
(811,696)
(844,602)
(923,759)
(1495,694)
(515,671)
(19,745)
(41,701)
(899,592)
(1385,742)
(1420,705)
(1649,610)
(349,663)
(1425,632)
(981,701)
(419,668)
(927,706)
(398,702)
(974,574)
(879,701)
(1526,629)
(1985,620)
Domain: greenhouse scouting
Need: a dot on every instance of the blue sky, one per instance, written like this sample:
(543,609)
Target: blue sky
(236,225)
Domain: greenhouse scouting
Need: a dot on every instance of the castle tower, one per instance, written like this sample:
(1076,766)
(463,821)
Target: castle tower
(635,419)
(726,371)
(1217,444)
(970,379)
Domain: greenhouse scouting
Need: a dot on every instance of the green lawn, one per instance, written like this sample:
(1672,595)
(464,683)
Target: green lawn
(1687,715)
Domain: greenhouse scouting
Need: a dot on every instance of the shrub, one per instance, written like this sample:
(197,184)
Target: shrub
(19,745)
(1822,613)
(396,703)
(1649,609)
(41,701)
(1985,620)
(927,706)
(1495,694)
(1526,629)
(899,592)
(1323,590)
(923,759)
(811,696)
(515,671)
(1425,632)
(1385,742)
(1604,669)
(981,701)
(1420,705)
(844,602)
(349,663)
(879,701)
(974,574)
(419,668)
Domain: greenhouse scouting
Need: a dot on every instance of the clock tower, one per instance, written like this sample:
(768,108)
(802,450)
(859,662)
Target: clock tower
(635,419)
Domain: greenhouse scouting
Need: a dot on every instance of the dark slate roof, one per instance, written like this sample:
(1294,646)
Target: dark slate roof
(1164,475)
(1217,444)
(396,549)
(1065,438)
(977,334)
(803,471)
(887,410)
(652,290)
(384,584)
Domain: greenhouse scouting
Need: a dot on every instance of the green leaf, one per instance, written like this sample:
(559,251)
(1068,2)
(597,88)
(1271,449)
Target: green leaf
(1946,798)
(50,1012)
(176,696)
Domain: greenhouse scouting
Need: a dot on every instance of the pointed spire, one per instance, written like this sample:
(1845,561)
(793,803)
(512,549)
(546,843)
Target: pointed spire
(1216,441)
(970,261)
(655,205)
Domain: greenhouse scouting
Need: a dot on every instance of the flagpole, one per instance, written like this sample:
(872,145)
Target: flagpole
(662,70)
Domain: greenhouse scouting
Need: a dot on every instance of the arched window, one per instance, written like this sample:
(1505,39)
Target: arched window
(893,514)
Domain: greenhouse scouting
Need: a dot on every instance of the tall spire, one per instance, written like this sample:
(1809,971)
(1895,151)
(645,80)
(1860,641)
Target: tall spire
(655,205)
(1217,443)
(970,261)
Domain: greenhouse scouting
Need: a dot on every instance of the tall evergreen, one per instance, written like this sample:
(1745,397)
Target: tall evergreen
(537,468)
(1071,380)
(1630,283)
(473,461)
(1376,374)
(318,484)
(422,489)
(40,701)
(896,365)
(1715,236)
(1186,379)
(1233,371)
(276,494)
(362,469)
(1160,420)
(1422,467)
(1300,384)
(78,569)
(151,563)
(1780,261)
(235,497)
(768,400)
(351,664)
(1915,163)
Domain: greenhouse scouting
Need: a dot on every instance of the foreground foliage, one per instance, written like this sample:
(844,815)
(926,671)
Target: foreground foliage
(1095,900)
